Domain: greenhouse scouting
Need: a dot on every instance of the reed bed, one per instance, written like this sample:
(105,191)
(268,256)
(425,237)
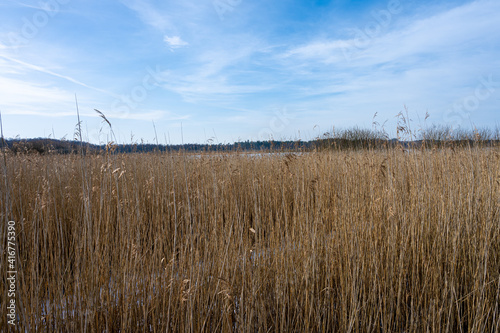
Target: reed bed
(345,241)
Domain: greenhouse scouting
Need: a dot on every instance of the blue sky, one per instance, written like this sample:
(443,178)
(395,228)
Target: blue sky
(230,70)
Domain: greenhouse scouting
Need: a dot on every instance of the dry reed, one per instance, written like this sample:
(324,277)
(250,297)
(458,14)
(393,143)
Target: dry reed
(353,241)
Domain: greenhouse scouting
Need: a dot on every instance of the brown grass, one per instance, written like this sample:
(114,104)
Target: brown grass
(355,241)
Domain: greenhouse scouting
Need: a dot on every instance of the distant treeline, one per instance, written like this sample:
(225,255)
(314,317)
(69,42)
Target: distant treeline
(341,140)
(49,146)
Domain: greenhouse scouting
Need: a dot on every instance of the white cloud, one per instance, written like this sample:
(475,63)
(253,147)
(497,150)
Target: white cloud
(174,42)
(458,29)
(149,14)
(325,51)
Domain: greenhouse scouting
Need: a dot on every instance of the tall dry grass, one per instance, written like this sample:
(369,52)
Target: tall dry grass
(353,241)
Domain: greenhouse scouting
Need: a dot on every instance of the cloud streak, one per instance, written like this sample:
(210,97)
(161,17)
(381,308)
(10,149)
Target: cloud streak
(65,77)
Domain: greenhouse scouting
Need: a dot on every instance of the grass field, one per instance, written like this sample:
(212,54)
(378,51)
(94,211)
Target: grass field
(333,241)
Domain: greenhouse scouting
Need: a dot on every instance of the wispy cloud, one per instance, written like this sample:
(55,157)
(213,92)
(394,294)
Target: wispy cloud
(21,97)
(47,71)
(149,14)
(174,42)
(22,4)
(324,51)
(217,75)
(140,115)
(455,30)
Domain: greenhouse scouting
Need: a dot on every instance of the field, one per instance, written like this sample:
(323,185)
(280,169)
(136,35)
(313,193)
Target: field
(386,240)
